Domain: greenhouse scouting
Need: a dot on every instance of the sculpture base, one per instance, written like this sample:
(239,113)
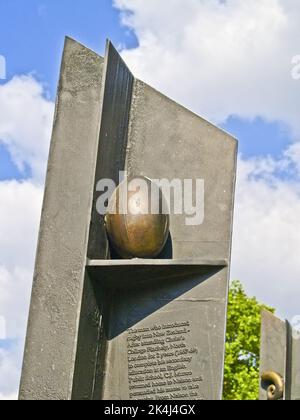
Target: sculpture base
(164,325)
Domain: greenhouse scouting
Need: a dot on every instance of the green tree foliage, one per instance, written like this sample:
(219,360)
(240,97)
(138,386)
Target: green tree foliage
(241,380)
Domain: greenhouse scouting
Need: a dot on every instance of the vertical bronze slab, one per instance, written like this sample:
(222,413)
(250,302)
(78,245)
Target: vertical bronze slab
(58,286)
(166,141)
(111,154)
(165,339)
(280,353)
(83,338)
(273,353)
(116,102)
(295,366)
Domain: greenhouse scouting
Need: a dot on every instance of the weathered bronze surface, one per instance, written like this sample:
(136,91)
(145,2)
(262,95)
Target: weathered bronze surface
(129,329)
(132,228)
(274,384)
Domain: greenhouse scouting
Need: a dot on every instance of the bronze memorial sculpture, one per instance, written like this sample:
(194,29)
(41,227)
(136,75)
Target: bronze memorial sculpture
(129,305)
(279,360)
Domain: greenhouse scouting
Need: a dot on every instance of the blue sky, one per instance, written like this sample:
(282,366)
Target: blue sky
(32,33)
(258,137)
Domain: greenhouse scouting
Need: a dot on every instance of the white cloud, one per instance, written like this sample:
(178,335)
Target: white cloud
(15,287)
(25,123)
(10,364)
(266,233)
(219,58)
(20,205)
(25,127)
(293,154)
(9,397)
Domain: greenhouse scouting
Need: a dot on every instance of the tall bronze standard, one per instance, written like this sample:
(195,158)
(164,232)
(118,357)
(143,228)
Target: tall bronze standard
(137,221)
(274,384)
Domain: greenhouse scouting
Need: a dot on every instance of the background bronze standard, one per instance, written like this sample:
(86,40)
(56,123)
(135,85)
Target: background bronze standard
(132,228)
